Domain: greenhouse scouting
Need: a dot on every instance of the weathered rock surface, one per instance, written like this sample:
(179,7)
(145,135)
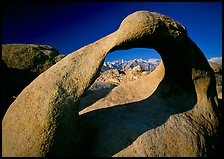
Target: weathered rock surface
(35,58)
(218,76)
(170,119)
(175,114)
(21,64)
(44,115)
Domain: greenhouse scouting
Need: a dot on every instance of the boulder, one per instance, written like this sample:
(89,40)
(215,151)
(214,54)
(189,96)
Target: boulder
(216,68)
(43,120)
(138,68)
(31,57)
(22,63)
(175,114)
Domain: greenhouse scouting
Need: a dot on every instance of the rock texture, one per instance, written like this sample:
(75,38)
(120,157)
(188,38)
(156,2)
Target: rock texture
(42,121)
(164,117)
(218,76)
(175,114)
(21,64)
(35,58)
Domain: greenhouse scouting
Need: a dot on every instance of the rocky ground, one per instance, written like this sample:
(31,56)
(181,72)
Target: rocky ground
(116,77)
(112,78)
(107,81)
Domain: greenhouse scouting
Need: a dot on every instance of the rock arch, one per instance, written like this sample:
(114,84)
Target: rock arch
(43,120)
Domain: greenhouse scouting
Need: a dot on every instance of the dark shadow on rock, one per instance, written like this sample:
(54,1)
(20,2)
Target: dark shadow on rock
(107,131)
(218,151)
(13,82)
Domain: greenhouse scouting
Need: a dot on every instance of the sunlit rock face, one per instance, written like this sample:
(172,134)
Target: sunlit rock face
(173,111)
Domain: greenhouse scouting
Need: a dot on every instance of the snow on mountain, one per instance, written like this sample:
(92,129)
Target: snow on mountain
(217,60)
(147,65)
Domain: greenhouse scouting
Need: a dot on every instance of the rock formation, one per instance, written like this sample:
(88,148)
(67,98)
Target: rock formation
(175,114)
(32,57)
(21,64)
(107,81)
(218,76)
(42,121)
(216,60)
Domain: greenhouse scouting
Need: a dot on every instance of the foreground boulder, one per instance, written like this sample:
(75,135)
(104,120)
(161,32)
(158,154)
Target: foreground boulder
(21,64)
(178,114)
(42,121)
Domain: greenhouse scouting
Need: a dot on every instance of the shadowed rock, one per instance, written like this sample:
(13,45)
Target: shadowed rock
(218,76)
(30,57)
(21,64)
(43,120)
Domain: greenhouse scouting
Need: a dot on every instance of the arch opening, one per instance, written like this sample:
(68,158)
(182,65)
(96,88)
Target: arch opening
(120,67)
(131,54)
(133,108)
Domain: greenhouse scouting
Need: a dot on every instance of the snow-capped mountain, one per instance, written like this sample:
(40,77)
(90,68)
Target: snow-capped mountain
(217,60)
(147,65)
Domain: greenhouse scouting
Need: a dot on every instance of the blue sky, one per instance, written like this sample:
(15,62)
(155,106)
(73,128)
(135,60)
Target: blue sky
(68,26)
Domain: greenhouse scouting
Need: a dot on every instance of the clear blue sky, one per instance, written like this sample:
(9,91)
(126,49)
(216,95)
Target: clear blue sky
(68,26)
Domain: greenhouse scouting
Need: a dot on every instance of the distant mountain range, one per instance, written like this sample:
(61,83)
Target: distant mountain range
(147,65)
(217,60)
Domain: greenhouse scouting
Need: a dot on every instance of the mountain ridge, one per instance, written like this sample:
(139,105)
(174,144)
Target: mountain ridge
(147,65)
(216,60)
